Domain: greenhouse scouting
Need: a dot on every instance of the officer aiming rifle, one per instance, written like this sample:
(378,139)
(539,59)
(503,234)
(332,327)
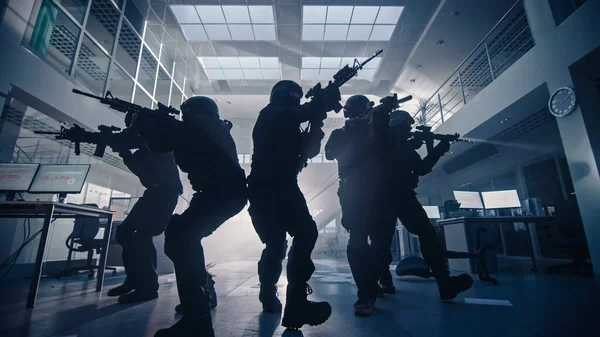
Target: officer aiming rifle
(312,135)
(424,135)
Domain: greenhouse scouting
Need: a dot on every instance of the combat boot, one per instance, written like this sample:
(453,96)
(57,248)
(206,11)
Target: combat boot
(210,293)
(364,307)
(120,290)
(189,327)
(451,286)
(300,311)
(268,298)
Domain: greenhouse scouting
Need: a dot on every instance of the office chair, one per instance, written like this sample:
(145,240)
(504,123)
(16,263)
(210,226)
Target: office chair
(568,233)
(82,239)
(416,266)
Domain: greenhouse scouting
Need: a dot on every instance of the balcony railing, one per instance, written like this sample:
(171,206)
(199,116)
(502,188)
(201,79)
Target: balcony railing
(506,43)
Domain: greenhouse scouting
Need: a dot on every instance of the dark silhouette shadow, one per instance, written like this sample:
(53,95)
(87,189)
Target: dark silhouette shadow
(264,324)
(292,333)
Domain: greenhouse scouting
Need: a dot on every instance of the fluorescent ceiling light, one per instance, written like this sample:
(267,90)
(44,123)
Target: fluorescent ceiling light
(381,32)
(309,74)
(211,14)
(389,15)
(236,14)
(185,14)
(229,62)
(311,62)
(313,32)
(249,62)
(331,62)
(252,74)
(314,14)
(339,14)
(217,32)
(364,14)
(269,62)
(194,32)
(215,74)
(271,74)
(261,14)
(264,32)
(327,74)
(336,32)
(233,74)
(241,32)
(359,32)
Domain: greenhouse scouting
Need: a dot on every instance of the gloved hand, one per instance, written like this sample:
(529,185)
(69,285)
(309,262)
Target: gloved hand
(331,98)
(442,147)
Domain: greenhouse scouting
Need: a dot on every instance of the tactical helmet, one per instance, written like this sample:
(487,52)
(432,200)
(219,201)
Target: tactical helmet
(400,117)
(356,105)
(199,105)
(286,92)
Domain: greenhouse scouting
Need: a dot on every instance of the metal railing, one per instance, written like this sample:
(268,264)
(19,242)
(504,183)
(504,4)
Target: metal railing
(506,43)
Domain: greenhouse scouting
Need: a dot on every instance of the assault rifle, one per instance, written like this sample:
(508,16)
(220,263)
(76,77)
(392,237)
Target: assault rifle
(424,135)
(126,107)
(78,135)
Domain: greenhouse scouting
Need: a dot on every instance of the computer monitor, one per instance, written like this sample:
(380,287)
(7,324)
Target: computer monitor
(501,199)
(468,199)
(17,177)
(433,212)
(60,179)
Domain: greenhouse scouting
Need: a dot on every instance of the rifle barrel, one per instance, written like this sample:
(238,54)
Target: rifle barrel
(47,132)
(79,92)
(370,58)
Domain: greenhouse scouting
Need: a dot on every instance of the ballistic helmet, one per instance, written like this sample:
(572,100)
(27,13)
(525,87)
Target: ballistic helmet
(286,92)
(356,105)
(400,117)
(199,105)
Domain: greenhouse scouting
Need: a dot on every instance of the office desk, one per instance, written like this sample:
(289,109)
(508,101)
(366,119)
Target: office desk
(49,211)
(462,242)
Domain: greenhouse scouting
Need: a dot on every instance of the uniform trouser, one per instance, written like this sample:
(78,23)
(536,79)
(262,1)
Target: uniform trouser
(410,212)
(183,243)
(359,217)
(381,242)
(148,218)
(276,210)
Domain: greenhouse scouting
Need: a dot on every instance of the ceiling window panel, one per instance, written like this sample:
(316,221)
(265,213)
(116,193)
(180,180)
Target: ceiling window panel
(311,62)
(314,14)
(215,74)
(229,62)
(236,14)
(331,62)
(339,14)
(336,32)
(241,32)
(264,32)
(382,32)
(252,74)
(185,14)
(261,14)
(211,14)
(271,74)
(233,74)
(209,62)
(364,14)
(217,32)
(249,62)
(359,32)
(389,15)
(373,64)
(194,32)
(309,74)
(366,74)
(327,74)
(269,62)
(313,32)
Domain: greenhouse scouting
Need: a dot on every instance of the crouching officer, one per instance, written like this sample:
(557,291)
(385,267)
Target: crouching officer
(205,150)
(149,216)
(404,167)
(277,206)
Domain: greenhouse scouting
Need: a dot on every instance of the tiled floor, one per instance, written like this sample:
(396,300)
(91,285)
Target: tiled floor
(531,305)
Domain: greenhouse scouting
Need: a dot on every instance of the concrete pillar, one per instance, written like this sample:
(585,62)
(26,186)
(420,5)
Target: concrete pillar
(576,130)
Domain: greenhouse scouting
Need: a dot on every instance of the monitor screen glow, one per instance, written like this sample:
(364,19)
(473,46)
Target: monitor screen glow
(501,199)
(468,199)
(433,212)
(59,179)
(16,177)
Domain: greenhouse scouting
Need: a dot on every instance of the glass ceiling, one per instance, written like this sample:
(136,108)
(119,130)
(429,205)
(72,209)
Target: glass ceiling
(241,68)
(323,68)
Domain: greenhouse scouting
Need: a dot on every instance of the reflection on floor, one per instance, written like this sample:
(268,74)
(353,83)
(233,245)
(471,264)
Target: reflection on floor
(522,305)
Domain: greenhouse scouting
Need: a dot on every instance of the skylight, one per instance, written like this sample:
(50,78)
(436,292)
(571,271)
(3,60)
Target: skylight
(323,68)
(241,68)
(225,23)
(349,23)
